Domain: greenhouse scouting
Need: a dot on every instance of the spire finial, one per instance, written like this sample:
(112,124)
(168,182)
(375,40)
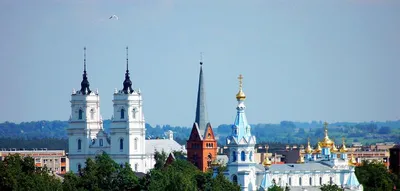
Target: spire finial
(84,59)
(240,96)
(240,82)
(201,58)
(127,68)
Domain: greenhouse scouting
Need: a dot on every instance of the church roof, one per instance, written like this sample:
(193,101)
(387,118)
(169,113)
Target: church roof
(201,112)
(165,145)
(85,82)
(312,166)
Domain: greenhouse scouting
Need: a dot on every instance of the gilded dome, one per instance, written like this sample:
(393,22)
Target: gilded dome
(308,149)
(240,96)
(267,162)
(318,148)
(215,163)
(301,159)
(352,161)
(334,149)
(326,142)
(343,149)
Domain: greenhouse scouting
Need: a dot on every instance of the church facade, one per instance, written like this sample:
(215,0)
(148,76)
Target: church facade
(325,164)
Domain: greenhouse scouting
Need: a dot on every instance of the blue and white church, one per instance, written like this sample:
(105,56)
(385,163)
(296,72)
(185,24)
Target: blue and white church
(326,164)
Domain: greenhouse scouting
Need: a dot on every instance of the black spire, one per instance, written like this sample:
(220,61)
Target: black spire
(85,83)
(201,113)
(127,82)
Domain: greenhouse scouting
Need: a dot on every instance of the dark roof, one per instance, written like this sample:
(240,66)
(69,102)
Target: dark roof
(201,113)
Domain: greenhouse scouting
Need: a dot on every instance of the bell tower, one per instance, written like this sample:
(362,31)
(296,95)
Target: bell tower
(85,121)
(128,126)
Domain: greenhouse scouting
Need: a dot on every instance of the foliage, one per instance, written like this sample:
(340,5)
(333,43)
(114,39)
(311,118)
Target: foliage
(330,187)
(374,176)
(275,187)
(160,158)
(17,173)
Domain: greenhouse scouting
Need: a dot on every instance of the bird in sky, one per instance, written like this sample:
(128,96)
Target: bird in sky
(114,17)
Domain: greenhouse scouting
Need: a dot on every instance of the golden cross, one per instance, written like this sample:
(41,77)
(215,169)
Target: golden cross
(343,140)
(240,81)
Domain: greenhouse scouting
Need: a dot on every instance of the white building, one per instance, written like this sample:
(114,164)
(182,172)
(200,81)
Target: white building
(324,165)
(126,142)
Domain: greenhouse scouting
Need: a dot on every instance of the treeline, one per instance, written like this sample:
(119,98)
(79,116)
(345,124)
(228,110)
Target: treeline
(286,132)
(103,173)
(38,143)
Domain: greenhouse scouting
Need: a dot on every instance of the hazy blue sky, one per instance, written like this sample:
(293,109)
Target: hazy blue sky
(301,60)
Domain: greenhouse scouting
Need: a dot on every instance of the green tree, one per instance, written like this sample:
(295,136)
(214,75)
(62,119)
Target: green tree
(275,187)
(126,178)
(160,159)
(374,176)
(330,187)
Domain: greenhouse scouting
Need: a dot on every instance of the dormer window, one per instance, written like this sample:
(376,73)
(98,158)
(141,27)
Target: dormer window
(122,113)
(101,142)
(80,114)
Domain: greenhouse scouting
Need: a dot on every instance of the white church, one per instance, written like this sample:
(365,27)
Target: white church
(126,141)
(325,164)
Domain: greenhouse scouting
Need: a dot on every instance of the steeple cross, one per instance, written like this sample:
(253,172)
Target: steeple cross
(240,81)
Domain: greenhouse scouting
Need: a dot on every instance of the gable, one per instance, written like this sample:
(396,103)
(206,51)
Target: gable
(195,133)
(209,133)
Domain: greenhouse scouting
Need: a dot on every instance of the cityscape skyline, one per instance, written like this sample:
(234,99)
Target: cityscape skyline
(298,62)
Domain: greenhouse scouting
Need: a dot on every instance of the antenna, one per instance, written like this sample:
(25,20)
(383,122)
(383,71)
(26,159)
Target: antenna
(127,70)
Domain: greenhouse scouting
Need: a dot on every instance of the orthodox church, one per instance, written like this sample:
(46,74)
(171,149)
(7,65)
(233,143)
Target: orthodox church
(324,165)
(126,141)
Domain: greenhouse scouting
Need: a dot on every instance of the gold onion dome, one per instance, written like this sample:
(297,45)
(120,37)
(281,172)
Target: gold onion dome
(308,149)
(343,149)
(352,161)
(318,148)
(334,149)
(326,142)
(267,162)
(240,96)
(301,159)
(215,163)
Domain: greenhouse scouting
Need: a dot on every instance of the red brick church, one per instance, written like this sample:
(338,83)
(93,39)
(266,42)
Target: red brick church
(201,146)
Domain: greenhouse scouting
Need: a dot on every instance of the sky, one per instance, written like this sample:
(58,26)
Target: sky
(330,60)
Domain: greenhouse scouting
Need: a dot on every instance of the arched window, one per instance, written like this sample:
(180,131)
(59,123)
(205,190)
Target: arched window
(243,156)
(209,158)
(320,181)
(234,156)
(121,144)
(101,142)
(310,181)
(134,113)
(92,114)
(122,113)
(136,143)
(251,156)
(330,180)
(121,165)
(290,181)
(80,114)
(234,179)
(300,181)
(136,167)
(79,144)
(79,167)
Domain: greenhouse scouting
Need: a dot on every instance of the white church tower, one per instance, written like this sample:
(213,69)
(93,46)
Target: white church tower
(85,122)
(241,165)
(128,127)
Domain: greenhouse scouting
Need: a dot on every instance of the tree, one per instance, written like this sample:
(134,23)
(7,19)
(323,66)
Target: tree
(330,187)
(375,176)
(275,187)
(126,178)
(160,159)
(385,130)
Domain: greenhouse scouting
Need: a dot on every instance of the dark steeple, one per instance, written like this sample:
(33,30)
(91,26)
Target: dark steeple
(127,82)
(85,83)
(201,113)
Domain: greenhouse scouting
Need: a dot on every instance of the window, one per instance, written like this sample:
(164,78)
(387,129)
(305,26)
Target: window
(122,113)
(243,156)
(134,113)
(234,179)
(290,181)
(251,156)
(320,181)
(92,114)
(136,167)
(234,156)
(209,158)
(79,144)
(330,180)
(136,143)
(80,113)
(300,181)
(121,144)
(79,167)
(101,142)
(310,181)
(209,135)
